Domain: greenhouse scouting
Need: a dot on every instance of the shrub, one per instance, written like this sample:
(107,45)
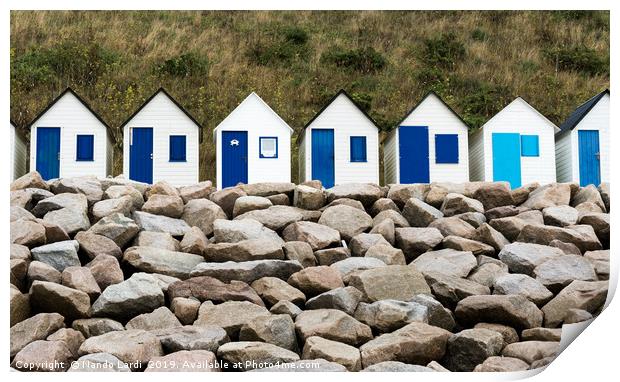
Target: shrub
(286,45)
(295,35)
(443,51)
(479,35)
(579,59)
(185,65)
(362,60)
(363,100)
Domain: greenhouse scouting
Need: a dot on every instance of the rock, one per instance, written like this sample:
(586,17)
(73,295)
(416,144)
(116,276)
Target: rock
(455,204)
(359,244)
(201,190)
(600,262)
(184,361)
(245,204)
(53,232)
(119,191)
(383,204)
(317,235)
(206,337)
(560,216)
(37,327)
(160,223)
(247,271)
(29,197)
(454,226)
(227,231)
(21,213)
(352,265)
(50,297)
(59,255)
(387,229)
(389,315)
(160,318)
(501,364)
(278,217)
(247,250)
(558,272)
(18,272)
(285,307)
(586,295)
(167,205)
(92,327)
(77,202)
(512,310)
(106,271)
(249,355)
(87,185)
(603,189)
(230,315)
(185,309)
(420,214)
(268,188)
(437,314)
(347,220)
(273,290)
(194,241)
(160,240)
(488,235)
(71,221)
(471,347)
(343,298)
(501,212)
(449,290)
(135,347)
(494,194)
(386,253)
(524,257)
(364,192)
(204,288)
(416,343)
(71,337)
(138,294)
(588,194)
(415,241)
(462,244)
(226,199)
(19,251)
(588,207)
(347,202)
(396,282)
(43,356)
(116,227)
(81,279)
(346,355)
(28,233)
(530,351)
(401,193)
(447,261)
(510,226)
(300,251)
(93,245)
(106,207)
(599,222)
(543,234)
(329,256)
(316,280)
(331,324)
(509,334)
(277,330)
(154,260)
(577,315)
(98,362)
(523,285)
(120,180)
(162,188)
(542,334)
(19,305)
(308,198)
(30,180)
(398,219)
(310,366)
(279,200)
(393,366)
(551,195)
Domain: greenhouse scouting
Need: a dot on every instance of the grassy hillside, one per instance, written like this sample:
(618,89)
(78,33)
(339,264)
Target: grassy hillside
(477,61)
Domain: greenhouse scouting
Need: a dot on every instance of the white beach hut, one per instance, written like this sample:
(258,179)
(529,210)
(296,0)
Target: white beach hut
(19,153)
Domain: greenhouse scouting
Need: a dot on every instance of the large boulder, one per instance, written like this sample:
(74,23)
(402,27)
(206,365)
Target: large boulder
(184,361)
(278,217)
(317,235)
(343,298)
(246,355)
(316,280)
(59,255)
(488,235)
(420,214)
(268,188)
(600,262)
(135,347)
(551,195)
(30,180)
(308,198)
(524,257)
(119,191)
(106,207)
(388,315)
(300,251)
(116,227)
(138,294)
(599,222)
(246,250)
(160,223)
(248,271)
(91,327)
(414,241)
(230,315)
(558,272)
(232,231)
(531,351)
(162,188)
(349,221)
(200,190)
(106,270)
(333,351)
(512,310)
(50,297)
(160,240)
(28,233)
(245,204)
(586,295)
(364,192)
(449,290)
(530,288)
(167,205)
(51,356)
(395,282)
(446,261)
(19,305)
(93,245)
(455,204)
(202,213)
(401,193)
(194,241)
(191,337)
(87,185)
(582,236)
(77,202)
(501,364)
(454,226)
(494,194)
(81,278)
(70,220)
(273,290)
(359,244)
(560,216)
(395,216)
(352,265)
(204,288)
(154,260)
(160,318)
(226,198)
(461,244)
(37,327)
(471,347)
(588,194)
(333,325)
(276,329)
(603,189)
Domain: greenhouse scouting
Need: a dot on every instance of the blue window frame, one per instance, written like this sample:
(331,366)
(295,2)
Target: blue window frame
(268,147)
(529,146)
(358,149)
(178,148)
(446,148)
(85,148)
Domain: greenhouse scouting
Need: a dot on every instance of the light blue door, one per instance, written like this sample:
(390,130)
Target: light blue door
(589,158)
(323,156)
(507,158)
(234,158)
(141,155)
(413,149)
(48,152)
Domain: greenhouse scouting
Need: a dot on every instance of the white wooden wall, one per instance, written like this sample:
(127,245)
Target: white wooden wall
(346,120)
(74,119)
(301,158)
(19,155)
(563,157)
(476,155)
(166,119)
(259,120)
(391,169)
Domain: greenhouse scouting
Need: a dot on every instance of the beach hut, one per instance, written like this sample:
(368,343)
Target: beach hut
(69,139)
(428,145)
(253,144)
(516,145)
(19,153)
(582,145)
(161,142)
(340,145)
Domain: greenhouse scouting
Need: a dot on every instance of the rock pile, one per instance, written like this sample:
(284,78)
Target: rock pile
(122,276)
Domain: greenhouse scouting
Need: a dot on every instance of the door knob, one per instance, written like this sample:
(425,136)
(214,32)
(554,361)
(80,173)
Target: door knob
(151,155)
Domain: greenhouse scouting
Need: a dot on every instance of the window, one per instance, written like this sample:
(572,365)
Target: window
(268,147)
(177,148)
(529,146)
(446,148)
(85,148)
(358,149)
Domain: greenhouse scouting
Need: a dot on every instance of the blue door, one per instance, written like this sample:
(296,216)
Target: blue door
(234,158)
(589,158)
(48,152)
(413,149)
(323,156)
(141,154)
(507,158)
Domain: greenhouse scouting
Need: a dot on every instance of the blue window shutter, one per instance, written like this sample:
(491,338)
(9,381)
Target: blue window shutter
(446,148)
(85,148)
(358,149)
(529,146)
(177,148)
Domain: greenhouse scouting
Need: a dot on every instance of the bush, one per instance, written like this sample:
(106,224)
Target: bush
(362,60)
(482,100)
(479,35)
(185,65)
(295,35)
(286,45)
(363,100)
(579,59)
(443,51)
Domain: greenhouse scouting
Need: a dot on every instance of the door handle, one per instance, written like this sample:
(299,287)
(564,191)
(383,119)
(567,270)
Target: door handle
(598,156)
(151,155)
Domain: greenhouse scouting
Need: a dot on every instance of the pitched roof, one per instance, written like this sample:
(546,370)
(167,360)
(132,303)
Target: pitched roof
(576,116)
(18,131)
(341,91)
(519,98)
(422,100)
(82,101)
